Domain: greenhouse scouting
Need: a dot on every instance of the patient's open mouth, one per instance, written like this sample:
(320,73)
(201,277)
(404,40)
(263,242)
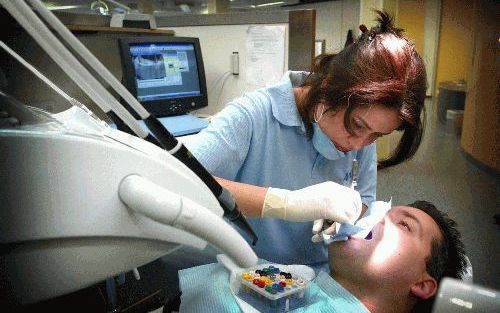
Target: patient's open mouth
(369,236)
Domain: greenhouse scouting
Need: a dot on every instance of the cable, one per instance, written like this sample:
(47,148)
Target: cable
(218,80)
(221,90)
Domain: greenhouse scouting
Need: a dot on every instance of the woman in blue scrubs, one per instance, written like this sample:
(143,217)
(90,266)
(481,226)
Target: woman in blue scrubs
(286,151)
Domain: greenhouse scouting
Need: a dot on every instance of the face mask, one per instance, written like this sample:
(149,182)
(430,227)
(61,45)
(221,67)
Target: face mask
(324,145)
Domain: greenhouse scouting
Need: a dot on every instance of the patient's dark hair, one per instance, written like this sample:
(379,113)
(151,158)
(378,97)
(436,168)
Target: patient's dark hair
(447,257)
(381,68)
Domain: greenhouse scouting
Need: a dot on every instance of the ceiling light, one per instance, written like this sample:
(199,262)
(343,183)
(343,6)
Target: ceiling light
(63,7)
(269,4)
(185,8)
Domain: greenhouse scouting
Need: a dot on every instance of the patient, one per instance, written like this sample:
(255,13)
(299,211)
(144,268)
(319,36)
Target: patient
(397,270)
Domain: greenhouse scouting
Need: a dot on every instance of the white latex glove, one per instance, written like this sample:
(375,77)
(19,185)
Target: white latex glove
(326,200)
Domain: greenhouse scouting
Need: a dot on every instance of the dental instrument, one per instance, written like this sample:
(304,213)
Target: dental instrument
(355,170)
(334,227)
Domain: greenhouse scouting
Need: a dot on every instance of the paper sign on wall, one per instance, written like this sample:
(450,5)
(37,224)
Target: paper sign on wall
(265,55)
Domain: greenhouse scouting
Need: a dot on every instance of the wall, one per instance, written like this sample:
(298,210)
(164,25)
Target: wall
(366,11)
(333,20)
(420,20)
(386,144)
(431,37)
(216,57)
(392,7)
(455,42)
(481,131)
(411,17)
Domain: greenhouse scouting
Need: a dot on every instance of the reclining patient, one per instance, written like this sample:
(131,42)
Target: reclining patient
(397,270)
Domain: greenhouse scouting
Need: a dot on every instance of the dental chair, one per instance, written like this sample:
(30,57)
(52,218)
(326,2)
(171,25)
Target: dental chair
(463,296)
(467,276)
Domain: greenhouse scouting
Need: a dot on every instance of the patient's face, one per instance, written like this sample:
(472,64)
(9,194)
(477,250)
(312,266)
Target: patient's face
(394,256)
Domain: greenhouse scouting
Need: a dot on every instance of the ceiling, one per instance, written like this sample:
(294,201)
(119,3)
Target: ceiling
(163,7)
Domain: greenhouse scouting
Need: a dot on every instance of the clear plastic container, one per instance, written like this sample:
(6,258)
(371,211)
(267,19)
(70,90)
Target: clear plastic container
(269,288)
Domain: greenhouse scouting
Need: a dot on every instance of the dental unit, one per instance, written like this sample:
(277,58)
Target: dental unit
(82,201)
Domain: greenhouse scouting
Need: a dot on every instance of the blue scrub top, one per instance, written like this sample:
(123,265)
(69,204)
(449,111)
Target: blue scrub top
(260,139)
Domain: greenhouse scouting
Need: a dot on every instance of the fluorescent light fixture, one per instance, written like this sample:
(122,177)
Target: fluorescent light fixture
(63,7)
(269,4)
(185,8)
(121,5)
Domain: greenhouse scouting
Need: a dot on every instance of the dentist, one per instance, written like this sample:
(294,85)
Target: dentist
(286,151)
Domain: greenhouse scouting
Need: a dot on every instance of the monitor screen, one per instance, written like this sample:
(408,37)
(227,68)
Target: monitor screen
(165,74)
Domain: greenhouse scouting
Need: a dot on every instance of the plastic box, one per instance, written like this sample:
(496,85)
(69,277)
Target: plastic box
(268,287)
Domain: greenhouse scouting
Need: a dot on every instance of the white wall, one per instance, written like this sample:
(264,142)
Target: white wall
(431,39)
(217,45)
(366,15)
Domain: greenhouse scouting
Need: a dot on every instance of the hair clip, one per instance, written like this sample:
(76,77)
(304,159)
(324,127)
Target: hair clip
(371,35)
(363,28)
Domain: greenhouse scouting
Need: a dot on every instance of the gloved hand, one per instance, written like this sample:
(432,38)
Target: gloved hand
(326,200)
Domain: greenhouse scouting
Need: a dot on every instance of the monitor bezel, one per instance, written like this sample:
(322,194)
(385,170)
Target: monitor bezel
(164,107)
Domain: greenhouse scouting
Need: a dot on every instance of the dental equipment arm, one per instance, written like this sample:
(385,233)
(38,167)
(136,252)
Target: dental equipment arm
(70,65)
(166,207)
(226,200)
(42,77)
(23,14)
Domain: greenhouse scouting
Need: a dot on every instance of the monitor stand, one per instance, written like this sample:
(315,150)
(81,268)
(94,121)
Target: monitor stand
(185,124)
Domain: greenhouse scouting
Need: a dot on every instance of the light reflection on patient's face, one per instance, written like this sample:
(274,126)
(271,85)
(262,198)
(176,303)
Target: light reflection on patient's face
(397,252)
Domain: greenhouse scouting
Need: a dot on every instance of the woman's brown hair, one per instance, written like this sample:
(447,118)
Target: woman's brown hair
(382,67)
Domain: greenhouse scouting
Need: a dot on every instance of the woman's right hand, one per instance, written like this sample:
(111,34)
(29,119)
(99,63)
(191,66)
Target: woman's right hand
(327,200)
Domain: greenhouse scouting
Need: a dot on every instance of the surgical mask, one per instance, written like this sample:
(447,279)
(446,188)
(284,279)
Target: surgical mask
(323,144)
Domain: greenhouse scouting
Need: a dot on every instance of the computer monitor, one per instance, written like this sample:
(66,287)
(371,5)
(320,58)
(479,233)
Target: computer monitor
(165,73)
